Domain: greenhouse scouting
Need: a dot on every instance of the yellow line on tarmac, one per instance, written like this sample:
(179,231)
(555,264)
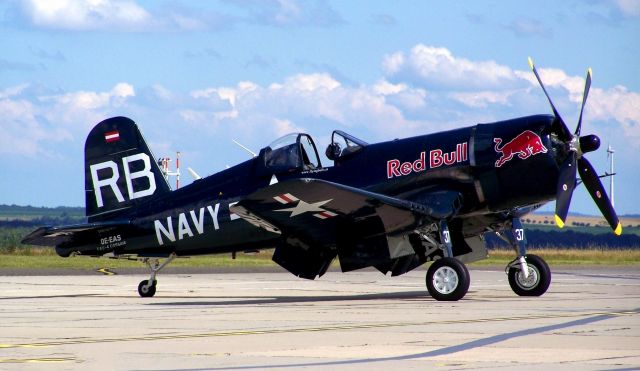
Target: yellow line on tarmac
(106,271)
(36,360)
(309,329)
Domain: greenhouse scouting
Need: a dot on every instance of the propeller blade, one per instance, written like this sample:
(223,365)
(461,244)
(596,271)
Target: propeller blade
(592,182)
(587,86)
(563,130)
(566,184)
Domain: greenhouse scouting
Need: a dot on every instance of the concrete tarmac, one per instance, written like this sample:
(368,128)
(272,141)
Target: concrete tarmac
(588,320)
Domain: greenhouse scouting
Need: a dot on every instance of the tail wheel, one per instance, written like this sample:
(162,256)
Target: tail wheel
(538,280)
(448,279)
(145,290)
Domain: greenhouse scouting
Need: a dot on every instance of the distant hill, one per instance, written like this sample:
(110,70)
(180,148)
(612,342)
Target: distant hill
(30,216)
(31,212)
(578,220)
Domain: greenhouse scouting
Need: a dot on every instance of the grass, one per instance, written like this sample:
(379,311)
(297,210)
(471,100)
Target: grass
(570,256)
(46,259)
(583,229)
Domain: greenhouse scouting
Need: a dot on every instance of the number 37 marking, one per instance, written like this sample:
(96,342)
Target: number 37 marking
(519,234)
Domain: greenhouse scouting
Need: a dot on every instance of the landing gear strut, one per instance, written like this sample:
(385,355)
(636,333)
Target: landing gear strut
(529,275)
(147,288)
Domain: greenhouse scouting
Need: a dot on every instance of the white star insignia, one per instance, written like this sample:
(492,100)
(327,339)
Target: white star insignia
(304,207)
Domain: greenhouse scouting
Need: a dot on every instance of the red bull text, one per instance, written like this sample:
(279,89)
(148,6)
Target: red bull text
(437,158)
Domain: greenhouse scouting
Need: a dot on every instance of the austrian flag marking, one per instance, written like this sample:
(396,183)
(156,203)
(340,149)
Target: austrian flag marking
(112,136)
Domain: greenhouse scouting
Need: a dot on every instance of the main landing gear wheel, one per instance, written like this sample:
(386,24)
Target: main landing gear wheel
(145,290)
(536,283)
(448,279)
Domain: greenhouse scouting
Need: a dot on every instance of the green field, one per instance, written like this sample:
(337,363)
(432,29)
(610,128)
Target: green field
(18,221)
(582,229)
(45,259)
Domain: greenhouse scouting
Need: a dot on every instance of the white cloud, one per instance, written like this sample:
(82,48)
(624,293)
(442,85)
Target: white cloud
(317,103)
(284,127)
(616,104)
(311,82)
(130,16)
(162,93)
(458,89)
(392,63)
(482,99)
(229,94)
(91,101)
(384,87)
(22,131)
(87,14)
(312,100)
(620,105)
(437,68)
(13,90)
(34,123)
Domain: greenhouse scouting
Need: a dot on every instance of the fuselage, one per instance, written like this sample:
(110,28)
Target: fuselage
(499,169)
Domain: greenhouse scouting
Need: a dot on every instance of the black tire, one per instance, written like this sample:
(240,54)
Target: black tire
(148,292)
(448,279)
(538,281)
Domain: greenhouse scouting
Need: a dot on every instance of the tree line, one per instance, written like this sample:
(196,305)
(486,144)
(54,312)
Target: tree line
(569,239)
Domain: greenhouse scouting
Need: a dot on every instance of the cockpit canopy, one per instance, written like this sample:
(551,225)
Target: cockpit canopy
(343,146)
(298,152)
(292,152)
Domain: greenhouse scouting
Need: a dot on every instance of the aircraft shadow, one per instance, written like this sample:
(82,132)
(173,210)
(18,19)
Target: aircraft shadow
(261,300)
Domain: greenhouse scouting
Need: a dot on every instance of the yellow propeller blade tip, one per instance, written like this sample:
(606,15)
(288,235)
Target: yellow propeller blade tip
(590,72)
(559,221)
(618,230)
(530,63)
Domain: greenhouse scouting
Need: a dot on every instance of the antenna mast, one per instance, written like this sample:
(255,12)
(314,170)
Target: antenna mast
(164,167)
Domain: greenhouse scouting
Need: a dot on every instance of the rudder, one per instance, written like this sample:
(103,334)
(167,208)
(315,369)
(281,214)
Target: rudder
(120,170)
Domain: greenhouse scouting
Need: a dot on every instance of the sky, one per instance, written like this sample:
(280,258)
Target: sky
(196,75)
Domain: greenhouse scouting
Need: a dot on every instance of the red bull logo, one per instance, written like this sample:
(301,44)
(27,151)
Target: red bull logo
(524,145)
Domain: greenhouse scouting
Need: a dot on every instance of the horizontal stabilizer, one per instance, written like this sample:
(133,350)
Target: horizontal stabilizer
(56,236)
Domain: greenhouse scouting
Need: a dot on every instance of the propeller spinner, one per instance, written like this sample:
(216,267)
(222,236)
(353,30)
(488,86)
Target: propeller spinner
(576,162)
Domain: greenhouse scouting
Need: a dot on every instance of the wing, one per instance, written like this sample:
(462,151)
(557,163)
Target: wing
(320,219)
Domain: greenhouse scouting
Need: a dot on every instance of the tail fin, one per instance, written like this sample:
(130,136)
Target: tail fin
(119,168)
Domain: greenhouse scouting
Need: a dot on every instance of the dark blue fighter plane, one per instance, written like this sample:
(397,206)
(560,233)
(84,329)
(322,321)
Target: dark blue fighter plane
(393,205)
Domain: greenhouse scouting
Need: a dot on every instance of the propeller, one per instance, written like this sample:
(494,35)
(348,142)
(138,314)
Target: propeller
(577,163)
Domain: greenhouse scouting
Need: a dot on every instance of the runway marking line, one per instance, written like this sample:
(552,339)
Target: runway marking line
(106,271)
(308,329)
(36,360)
